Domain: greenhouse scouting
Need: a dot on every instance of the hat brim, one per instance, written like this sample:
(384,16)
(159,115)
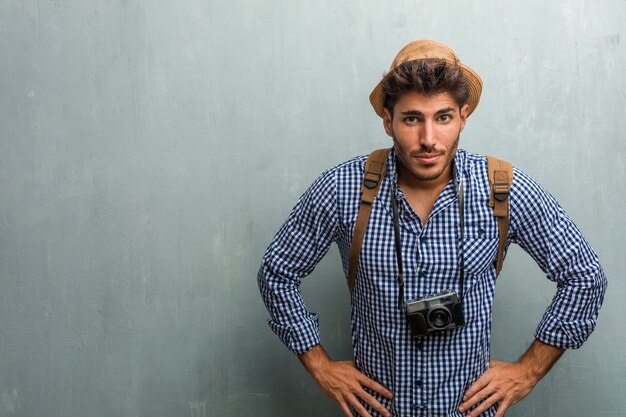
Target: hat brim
(475,86)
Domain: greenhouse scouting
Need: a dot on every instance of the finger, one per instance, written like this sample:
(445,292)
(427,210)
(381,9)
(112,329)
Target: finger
(502,409)
(481,395)
(477,386)
(356,404)
(374,403)
(345,409)
(484,406)
(495,364)
(375,386)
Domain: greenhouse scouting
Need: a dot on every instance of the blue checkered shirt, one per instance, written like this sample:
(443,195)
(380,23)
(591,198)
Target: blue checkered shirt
(428,376)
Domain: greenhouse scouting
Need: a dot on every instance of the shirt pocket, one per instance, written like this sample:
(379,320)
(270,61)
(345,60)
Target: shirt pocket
(480,247)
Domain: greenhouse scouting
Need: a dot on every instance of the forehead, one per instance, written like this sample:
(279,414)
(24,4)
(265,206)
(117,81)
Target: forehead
(423,103)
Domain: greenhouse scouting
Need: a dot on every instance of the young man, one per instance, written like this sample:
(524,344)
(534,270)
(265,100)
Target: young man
(448,238)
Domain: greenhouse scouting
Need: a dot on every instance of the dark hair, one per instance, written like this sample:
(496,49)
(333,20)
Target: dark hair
(425,76)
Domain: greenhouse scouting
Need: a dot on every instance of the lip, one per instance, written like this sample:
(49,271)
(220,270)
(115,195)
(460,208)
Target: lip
(427,158)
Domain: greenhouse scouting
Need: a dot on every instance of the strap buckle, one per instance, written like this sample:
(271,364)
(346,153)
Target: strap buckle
(501,191)
(371,180)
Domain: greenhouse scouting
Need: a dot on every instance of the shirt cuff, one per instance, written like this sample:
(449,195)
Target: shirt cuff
(564,334)
(299,338)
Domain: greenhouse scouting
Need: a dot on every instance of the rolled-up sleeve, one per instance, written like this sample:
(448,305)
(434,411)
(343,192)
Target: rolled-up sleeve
(299,245)
(543,229)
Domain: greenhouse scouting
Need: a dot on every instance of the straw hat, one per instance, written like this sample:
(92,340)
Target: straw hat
(424,49)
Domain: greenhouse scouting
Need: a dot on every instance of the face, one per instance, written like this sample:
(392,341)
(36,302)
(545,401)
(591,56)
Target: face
(425,132)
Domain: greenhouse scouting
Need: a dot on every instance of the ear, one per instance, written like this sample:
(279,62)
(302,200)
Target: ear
(387,120)
(464,113)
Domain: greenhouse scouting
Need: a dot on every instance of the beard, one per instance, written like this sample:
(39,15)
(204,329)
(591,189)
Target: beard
(421,173)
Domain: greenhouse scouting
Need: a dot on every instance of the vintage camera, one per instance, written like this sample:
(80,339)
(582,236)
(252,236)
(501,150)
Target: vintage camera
(433,313)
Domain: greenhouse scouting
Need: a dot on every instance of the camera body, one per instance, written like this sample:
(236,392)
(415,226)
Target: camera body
(434,313)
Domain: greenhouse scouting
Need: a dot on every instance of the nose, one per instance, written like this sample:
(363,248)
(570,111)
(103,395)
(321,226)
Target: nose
(427,134)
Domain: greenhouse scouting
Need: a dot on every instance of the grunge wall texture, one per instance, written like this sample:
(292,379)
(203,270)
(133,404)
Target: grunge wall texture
(151,149)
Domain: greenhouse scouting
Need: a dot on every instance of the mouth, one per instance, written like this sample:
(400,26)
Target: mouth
(427,158)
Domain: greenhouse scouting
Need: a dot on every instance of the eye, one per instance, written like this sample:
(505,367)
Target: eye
(410,120)
(445,118)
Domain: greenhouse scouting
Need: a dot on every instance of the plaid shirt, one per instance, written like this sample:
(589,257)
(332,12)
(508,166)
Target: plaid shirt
(428,376)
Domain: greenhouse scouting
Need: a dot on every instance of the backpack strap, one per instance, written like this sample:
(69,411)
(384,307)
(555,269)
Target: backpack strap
(375,170)
(500,180)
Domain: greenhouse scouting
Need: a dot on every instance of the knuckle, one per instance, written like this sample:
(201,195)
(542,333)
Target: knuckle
(352,390)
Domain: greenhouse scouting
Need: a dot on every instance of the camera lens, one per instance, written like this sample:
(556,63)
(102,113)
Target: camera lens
(439,317)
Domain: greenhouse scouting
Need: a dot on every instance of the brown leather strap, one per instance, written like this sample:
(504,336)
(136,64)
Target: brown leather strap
(500,180)
(375,170)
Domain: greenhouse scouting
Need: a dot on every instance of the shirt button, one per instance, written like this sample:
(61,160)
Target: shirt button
(419,382)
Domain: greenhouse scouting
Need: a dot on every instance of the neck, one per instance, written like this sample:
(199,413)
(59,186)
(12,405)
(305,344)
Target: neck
(408,181)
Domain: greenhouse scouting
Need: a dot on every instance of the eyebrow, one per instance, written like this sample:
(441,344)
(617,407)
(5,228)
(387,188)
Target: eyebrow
(419,113)
(412,113)
(444,111)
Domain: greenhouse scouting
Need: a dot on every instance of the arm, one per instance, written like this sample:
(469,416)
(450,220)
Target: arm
(542,228)
(508,383)
(295,251)
(343,383)
(299,245)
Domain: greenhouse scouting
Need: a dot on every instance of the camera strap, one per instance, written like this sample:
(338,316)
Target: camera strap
(461,201)
(396,231)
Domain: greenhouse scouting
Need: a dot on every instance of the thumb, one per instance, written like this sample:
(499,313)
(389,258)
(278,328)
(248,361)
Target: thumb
(495,364)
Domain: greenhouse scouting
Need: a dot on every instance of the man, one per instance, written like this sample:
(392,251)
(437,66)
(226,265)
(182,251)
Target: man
(448,239)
